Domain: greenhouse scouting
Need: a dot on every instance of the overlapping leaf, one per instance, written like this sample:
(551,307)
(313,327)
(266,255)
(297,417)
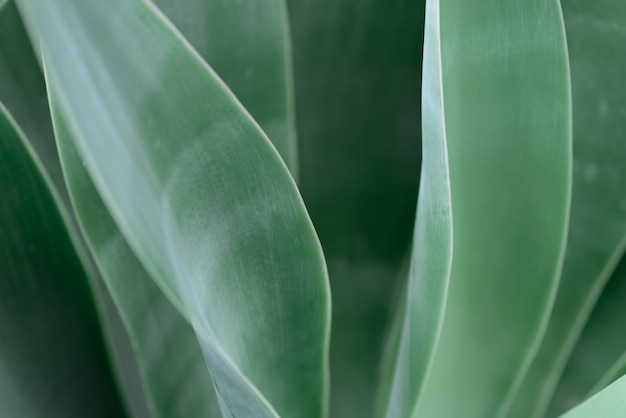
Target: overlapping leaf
(23,89)
(432,246)
(505,115)
(248,45)
(357,80)
(610,403)
(23,92)
(176,380)
(597,228)
(52,358)
(200,195)
(598,358)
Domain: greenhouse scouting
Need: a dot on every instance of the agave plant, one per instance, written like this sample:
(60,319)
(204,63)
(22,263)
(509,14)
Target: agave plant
(158,259)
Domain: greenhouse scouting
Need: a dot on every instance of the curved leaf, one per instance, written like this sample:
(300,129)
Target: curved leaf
(392,340)
(52,358)
(22,88)
(431,260)
(610,403)
(200,195)
(23,92)
(175,377)
(598,358)
(247,44)
(598,220)
(506,116)
(357,67)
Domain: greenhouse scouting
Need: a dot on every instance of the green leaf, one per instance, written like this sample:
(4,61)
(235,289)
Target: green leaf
(616,371)
(431,257)
(247,44)
(175,378)
(598,358)
(357,68)
(200,195)
(610,403)
(504,112)
(52,358)
(22,88)
(597,228)
(23,92)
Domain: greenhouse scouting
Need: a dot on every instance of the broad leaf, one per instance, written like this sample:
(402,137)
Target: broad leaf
(200,195)
(175,377)
(610,403)
(23,90)
(597,228)
(598,358)
(52,358)
(248,45)
(505,111)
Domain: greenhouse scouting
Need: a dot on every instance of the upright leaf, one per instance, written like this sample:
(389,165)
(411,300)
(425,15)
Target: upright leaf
(357,68)
(200,195)
(505,111)
(432,245)
(597,236)
(52,358)
(247,43)
(23,90)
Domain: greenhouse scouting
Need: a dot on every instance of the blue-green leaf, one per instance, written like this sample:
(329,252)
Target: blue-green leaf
(431,259)
(175,379)
(597,230)
(505,118)
(200,195)
(248,45)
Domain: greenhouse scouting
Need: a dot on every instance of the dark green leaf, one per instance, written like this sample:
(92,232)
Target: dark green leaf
(23,92)
(52,358)
(431,258)
(598,358)
(200,195)
(22,88)
(357,78)
(610,403)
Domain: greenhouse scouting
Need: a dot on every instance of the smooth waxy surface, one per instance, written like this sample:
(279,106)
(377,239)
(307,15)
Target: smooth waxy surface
(175,380)
(506,113)
(200,195)
(23,92)
(248,45)
(610,403)
(431,259)
(599,356)
(597,229)
(52,356)
(357,67)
